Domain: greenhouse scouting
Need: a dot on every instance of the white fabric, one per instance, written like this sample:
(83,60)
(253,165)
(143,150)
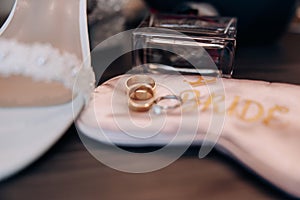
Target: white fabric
(261,126)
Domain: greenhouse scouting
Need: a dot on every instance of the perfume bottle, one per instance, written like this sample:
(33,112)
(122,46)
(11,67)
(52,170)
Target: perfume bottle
(160,40)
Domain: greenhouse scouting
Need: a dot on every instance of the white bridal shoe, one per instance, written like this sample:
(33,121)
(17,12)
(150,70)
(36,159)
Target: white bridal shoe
(45,77)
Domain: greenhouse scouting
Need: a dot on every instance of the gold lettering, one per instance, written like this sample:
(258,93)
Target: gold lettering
(246,110)
(207,103)
(215,101)
(191,99)
(233,106)
(260,111)
(271,114)
(202,81)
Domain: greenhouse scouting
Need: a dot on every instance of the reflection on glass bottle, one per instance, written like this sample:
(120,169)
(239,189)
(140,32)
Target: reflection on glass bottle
(217,35)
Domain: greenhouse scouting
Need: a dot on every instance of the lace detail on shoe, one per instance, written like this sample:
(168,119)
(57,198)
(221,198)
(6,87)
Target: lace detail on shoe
(43,62)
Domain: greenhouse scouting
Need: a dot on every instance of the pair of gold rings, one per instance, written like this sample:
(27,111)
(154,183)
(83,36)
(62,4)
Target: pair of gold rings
(141,95)
(141,92)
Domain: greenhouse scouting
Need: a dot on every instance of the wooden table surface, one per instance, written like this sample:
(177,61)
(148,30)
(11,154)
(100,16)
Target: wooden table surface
(68,171)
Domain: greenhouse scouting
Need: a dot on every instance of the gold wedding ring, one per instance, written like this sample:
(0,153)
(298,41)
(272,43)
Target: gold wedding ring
(140,97)
(140,91)
(140,78)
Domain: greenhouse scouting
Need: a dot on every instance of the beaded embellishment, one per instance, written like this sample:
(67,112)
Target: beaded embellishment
(43,62)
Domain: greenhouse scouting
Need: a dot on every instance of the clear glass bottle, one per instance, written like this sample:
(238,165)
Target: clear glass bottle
(217,35)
